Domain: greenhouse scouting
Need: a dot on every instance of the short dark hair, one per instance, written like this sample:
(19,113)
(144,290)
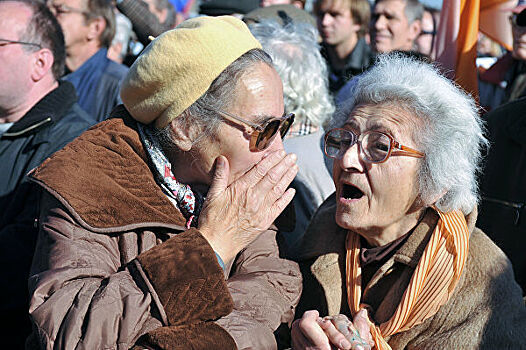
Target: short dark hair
(44,29)
(104,9)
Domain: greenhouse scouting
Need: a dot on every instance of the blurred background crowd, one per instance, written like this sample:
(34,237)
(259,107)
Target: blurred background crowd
(319,48)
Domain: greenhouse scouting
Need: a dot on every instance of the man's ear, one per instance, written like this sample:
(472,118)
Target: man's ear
(42,64)
(183,135)
(414,30)
(96,27)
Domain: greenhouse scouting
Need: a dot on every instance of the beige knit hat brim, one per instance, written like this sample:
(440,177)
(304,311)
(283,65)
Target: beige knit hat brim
(179,66)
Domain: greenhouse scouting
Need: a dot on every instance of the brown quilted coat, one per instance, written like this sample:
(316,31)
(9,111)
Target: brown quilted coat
(114,266)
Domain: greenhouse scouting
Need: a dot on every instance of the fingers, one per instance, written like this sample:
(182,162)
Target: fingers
(279,176)
(260,170)
(335,336)
(307,333)
(361,323)
(220,179)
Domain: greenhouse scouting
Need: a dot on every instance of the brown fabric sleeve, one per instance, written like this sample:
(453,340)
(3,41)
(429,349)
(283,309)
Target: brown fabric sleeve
(187,279)
(196,336)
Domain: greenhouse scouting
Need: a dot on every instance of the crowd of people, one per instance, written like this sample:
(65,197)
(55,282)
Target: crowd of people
(273,174)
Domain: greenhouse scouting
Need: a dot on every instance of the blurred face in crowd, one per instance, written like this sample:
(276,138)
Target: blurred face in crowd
(297,3)
(335,22)
(265,3)
(71,16)
(390,29)
(160,14)
(16,59)
(519,40)
(424,41)
(258,97)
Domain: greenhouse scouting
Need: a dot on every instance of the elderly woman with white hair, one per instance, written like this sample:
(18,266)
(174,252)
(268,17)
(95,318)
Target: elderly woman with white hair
(296,56)
(398,239)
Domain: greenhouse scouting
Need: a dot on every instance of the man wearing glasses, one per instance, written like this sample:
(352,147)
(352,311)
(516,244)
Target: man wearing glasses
(89,27)
(38,116)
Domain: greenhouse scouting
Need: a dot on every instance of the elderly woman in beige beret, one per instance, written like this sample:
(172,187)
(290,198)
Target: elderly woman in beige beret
(156,226)
(396,248)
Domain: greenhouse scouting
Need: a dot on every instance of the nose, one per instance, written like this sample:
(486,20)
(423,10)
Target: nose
(326,19)
(351,159)
(379,22)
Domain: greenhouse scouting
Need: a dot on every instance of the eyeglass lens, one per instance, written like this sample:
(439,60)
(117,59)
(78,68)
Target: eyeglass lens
(271,129)
(374,146)
(519,19)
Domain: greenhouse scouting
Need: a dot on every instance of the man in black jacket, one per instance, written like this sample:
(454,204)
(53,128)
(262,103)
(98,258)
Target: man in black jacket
(502,211)
(38,116)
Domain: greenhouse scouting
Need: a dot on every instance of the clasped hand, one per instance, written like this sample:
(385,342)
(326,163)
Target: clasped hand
(332,332)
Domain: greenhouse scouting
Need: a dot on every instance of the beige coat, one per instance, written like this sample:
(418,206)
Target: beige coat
(486,310)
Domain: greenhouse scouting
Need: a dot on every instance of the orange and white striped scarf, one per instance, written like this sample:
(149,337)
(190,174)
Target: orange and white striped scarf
(431,285)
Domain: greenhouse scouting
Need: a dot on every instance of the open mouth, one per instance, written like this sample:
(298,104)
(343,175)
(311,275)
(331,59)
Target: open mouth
(351,192)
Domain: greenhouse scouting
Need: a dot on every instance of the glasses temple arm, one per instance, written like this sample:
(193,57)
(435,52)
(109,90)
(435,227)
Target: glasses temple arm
(241,120)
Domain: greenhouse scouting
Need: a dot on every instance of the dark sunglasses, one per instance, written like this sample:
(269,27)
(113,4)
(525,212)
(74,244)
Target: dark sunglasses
(519,19)
(262,135)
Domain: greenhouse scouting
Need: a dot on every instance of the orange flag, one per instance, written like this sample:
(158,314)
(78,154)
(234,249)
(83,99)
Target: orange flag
(460,22)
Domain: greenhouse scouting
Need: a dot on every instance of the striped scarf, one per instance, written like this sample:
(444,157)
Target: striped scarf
(431,285)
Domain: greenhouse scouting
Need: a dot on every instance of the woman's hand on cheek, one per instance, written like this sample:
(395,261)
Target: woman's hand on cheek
(234,215)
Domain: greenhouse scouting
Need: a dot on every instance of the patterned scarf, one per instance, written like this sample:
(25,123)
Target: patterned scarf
(431,285)
(304,128)
(189,202)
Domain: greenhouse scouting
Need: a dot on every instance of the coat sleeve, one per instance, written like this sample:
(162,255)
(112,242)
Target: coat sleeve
(83,297)
(266,289)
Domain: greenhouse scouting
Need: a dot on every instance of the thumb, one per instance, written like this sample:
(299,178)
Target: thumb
(220,179)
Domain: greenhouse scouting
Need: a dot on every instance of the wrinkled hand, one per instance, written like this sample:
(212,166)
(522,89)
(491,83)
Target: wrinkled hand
(332,332)
(234,215)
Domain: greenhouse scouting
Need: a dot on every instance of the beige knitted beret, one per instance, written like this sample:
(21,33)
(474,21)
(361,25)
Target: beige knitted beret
(179,66)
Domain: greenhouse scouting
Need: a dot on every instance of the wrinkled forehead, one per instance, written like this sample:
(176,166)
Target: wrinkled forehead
(391,118)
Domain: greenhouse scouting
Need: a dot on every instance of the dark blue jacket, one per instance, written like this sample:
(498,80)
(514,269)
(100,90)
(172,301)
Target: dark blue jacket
(98,83)
(50,124)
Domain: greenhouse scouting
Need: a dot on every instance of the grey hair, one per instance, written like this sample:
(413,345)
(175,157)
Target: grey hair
(296,55)
(219,96)
(450,131)
(414,10)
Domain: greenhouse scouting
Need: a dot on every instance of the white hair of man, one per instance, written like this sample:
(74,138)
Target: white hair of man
(450,132)
(296,56)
